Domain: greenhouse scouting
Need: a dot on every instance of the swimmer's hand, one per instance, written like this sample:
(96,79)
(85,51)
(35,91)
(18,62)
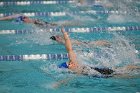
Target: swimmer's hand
(62,30)
(66,36)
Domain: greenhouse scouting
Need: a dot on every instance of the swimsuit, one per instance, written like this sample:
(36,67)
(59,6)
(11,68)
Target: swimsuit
(104,71)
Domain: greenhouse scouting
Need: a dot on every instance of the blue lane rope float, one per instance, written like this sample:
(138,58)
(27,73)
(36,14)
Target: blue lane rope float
(57,14)
(33,57)
(76,30)
(22,3)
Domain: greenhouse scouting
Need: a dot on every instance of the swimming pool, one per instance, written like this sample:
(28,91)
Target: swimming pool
(31,75)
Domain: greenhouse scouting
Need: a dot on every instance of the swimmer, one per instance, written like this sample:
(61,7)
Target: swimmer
(73,64)
(61,40)
(75,67)
(24,19)
(21,18)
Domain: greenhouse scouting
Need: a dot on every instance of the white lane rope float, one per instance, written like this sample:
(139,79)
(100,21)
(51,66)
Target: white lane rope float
(75,30)
(33,57)
(61,13)
(23,3)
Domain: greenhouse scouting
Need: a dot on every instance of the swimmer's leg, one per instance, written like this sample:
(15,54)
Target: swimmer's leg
(132,67)
(127,71)
(100,43)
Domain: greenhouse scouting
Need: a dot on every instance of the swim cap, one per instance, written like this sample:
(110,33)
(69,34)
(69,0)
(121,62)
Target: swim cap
(20,19)
(53,37)
(63,65)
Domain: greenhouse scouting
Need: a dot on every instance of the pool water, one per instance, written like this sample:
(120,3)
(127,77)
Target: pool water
(39,76)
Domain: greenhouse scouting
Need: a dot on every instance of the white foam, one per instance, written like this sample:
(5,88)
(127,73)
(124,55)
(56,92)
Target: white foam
(116,19)
(137,52)
(1,15)
(1,3)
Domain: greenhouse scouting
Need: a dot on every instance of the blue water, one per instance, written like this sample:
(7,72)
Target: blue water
(38,76)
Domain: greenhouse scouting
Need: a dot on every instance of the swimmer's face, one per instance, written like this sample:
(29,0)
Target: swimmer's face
(27,19)
(72,65)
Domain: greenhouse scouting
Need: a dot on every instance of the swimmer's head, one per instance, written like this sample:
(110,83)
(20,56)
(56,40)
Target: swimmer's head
(56,38)
(53,38)
(26,19)
(20,19)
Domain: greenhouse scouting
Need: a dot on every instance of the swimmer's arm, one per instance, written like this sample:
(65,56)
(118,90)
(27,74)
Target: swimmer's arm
(10,17)
(68,45)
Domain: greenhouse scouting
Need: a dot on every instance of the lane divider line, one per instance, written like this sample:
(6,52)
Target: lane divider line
(22,3)
(75,30)
(27,57)
(33,57)
(57,14)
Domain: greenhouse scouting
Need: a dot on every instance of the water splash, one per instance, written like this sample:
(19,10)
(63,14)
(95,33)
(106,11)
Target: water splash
(122,18)
(53,71)
(120,53)
(76,19)
(40,36)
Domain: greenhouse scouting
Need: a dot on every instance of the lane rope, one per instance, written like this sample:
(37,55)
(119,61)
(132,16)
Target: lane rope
(57,14)
(33,57)
(22,3)
(75,30)
(27,57)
